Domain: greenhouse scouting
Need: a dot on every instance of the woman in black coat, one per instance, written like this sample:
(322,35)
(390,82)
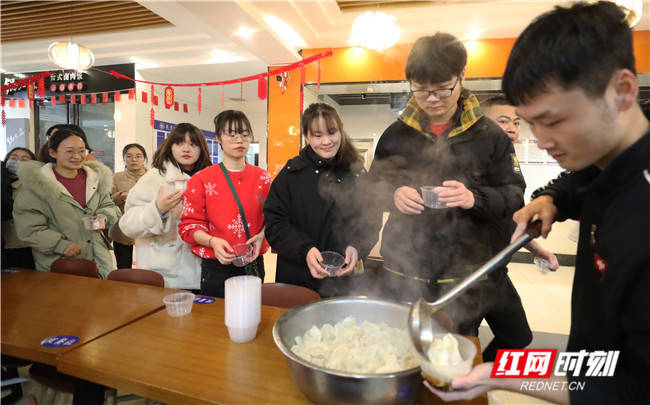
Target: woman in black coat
(314,206)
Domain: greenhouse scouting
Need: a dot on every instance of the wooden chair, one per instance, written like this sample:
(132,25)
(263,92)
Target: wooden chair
(138,276)
(286,295)
(75,266)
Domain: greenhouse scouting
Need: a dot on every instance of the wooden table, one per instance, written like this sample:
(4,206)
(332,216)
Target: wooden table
(37,305)
(188,360)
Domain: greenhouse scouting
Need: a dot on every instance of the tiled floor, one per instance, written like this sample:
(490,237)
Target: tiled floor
(546,299)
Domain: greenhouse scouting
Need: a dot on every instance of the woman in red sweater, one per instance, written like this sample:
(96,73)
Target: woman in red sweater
(222,208)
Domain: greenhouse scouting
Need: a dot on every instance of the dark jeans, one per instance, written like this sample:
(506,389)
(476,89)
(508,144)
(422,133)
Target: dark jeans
(123,255)
(214,274)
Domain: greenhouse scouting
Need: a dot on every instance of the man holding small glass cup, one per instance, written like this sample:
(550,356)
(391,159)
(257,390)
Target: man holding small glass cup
(465,167)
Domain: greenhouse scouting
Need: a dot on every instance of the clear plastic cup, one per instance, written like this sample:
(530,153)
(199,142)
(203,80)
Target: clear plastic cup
(243,307)
(179,304)
(430,197)
(543,265)
(93,222)
(243,254)
(332,262)
(441,375)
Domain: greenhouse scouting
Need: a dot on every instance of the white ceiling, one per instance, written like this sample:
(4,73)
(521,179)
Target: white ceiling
(203,46)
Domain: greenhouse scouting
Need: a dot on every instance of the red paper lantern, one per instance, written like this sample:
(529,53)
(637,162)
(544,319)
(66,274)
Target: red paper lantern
(62,99)
(104,97)
(131,94)
(12,102)
(93,98)
(62,87)
(30,91)
(185,108)
(52,88)
(21,103)
(80,86)
(70,86)
(175,106)
(154,101)
(144,97)
(117,96)
(53,100)
(169,97)
(83,99)
(41,86)
(261,88)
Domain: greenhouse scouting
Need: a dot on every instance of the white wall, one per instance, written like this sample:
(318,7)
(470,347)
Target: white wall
(16,112)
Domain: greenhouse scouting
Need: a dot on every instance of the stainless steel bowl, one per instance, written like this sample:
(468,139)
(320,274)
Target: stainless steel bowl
(327,386)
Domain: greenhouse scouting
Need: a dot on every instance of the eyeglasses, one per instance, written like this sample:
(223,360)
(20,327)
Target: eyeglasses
(439,93)
(244,135)
(134,157)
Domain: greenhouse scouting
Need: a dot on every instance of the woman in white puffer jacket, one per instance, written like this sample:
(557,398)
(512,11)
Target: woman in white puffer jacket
(153,208)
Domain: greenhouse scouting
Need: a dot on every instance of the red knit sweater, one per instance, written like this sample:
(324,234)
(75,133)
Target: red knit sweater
(208,204)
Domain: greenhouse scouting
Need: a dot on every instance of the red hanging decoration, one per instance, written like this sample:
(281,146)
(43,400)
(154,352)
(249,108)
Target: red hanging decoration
(261,88)
(31,103)
(169,96)
(318,84)
(62,99)
(2,98)
(53,100)
(152,117)
(73,99)
(185,108)
(83,99)
(152,93)
(104,97)
(198,101)
(154,100)
(284,81)
(12,103)
(21,103)
(117,96)
(131,94)
(175,105)
(144,97)
(41,86)
(4,117)
(30,91)
(93,98)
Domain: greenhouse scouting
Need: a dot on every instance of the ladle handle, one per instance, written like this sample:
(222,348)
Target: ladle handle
(533,230)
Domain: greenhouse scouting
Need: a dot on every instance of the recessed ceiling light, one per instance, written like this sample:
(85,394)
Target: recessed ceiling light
(288,34)
(245,32)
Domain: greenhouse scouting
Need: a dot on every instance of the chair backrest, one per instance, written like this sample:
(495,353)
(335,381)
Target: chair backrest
(75,266)
(286,295)
(138,276)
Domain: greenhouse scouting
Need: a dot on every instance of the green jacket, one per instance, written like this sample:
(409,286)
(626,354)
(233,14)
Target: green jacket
(48,218)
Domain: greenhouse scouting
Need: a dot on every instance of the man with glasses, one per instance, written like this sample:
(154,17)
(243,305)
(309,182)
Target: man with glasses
(442,139)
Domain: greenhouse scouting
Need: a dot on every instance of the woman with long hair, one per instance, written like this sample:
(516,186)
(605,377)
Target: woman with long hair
(63,206)
(223,209)
(153,208)
(15,252)
(312,206)
(135,158)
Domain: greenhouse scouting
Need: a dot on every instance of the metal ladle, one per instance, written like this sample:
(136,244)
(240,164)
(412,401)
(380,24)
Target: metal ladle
(423,324)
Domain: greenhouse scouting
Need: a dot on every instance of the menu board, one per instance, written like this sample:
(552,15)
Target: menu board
(529,153)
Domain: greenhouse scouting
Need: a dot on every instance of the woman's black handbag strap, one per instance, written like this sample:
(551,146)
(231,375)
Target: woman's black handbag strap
(234,193)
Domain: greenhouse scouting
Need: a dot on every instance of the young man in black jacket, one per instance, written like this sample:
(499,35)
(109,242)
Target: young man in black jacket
(571,75)
(442,139)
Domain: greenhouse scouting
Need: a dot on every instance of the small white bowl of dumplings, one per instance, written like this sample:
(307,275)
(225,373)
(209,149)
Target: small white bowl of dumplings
(448,357)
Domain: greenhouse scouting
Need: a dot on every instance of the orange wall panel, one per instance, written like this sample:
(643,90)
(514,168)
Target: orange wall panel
(486,58)
(284,122)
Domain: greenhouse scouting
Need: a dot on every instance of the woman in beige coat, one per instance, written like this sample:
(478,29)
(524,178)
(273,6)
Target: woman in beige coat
(135,158)
(56,198)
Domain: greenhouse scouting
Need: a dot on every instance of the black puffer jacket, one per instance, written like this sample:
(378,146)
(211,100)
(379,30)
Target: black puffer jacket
(448,242)
(312,204)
